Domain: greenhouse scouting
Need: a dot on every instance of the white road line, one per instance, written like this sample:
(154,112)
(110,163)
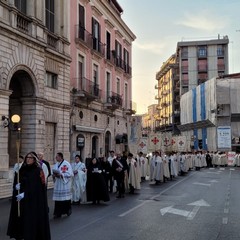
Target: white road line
(202,184)
(193,213)
(225,220)
(153,197)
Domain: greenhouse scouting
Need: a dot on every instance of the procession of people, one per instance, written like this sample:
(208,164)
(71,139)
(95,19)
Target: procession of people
(78,183)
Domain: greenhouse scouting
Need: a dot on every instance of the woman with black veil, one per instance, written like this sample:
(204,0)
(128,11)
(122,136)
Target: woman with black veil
(96,185)
(29,210)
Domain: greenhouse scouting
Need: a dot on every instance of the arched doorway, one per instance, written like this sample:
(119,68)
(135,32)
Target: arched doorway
(107,143)
(95,146)
(23,89)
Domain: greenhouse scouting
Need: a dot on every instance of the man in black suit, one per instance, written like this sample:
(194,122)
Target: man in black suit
(119,167)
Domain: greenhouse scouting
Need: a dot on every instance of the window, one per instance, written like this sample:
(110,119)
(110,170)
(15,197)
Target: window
(51,80)
(21,5)
(81,22)
(81,73)
(220,52)
(49,4)
(126,60)
(108,45)
(184,52)
(96,34)
(202,51)
(202,65)
(108,79)
(118,85)
(95,74)
(126,95)
(118,52)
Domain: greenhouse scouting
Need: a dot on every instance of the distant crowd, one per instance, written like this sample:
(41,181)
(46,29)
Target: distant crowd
(89,182)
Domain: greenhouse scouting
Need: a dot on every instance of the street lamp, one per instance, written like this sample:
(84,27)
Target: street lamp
(14,126)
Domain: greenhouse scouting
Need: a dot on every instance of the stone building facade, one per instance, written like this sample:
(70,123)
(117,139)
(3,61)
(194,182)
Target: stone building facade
(34,77)
(101,78)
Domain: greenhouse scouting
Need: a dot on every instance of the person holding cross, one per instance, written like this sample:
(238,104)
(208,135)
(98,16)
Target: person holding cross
(62,192)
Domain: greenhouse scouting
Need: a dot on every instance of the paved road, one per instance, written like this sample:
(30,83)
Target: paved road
(203,205)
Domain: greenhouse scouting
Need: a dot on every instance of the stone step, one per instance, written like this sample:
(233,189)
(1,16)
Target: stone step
(6,187)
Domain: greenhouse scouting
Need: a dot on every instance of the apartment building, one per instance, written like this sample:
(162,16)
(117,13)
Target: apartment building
(168,96)
(34,78)
(193,63)
(101,78)
(201,60)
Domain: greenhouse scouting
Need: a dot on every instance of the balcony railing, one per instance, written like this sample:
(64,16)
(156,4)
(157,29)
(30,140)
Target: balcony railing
(23,23)
(114,98)
(87,88)
(89,40)
(52,40)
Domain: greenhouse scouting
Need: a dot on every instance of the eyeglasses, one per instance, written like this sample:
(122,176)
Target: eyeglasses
(30,157)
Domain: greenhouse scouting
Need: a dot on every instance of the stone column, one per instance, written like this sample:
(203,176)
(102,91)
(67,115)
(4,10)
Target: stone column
(4,132)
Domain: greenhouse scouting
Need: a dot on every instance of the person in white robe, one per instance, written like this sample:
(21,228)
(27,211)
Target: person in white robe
(197,161)
(133,179)
(158,170)
(79,181)
(166,172)
(173,166)
(143,166)
(152,166)
(62,191)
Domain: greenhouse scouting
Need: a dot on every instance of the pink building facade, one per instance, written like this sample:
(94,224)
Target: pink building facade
(101,78)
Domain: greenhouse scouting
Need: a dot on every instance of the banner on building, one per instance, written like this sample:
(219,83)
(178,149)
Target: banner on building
(154,142)
(134,133)
(143,145)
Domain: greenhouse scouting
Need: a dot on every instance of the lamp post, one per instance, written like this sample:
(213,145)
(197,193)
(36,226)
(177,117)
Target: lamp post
(15,120)
(14,126)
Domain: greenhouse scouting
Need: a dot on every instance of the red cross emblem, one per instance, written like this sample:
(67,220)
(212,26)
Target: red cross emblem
(173,142)
(64,168)
(166,141)
(142,144)
(155,140)
(181,143)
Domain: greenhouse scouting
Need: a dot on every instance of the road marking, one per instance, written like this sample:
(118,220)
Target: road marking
(214,172)
(221,169)
(202,184)
(193,213)
(189,214)
(226,210)
(153,197)
(176,211)
(213,181)
(225,220)
(232,169)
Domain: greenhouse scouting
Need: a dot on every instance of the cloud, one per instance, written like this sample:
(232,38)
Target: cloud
(156,48)
(204,20)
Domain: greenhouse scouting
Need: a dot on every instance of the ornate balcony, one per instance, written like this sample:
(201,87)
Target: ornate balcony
(113,101)
(87,90)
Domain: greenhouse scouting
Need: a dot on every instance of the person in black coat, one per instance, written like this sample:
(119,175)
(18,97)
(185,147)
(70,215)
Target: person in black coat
(32,221)
(107,171)
(119,167)
(96,185)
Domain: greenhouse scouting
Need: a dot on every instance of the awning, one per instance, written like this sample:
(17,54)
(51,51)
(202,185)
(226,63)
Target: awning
(88,129)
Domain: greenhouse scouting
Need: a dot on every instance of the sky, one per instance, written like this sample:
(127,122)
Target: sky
(159,25)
